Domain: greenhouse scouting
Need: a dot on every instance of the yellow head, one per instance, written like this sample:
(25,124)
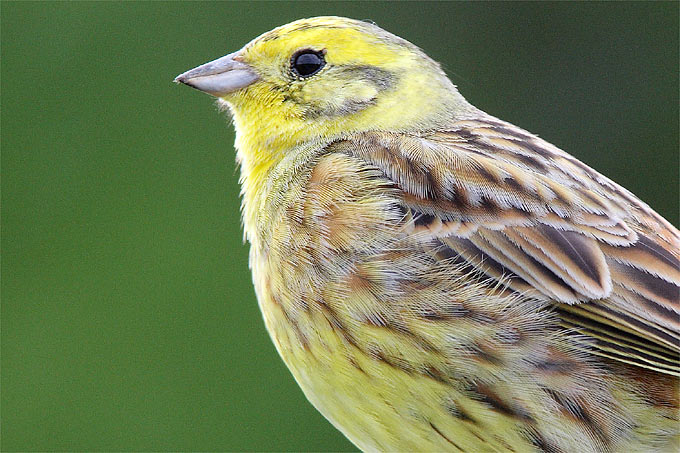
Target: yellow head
(325,77)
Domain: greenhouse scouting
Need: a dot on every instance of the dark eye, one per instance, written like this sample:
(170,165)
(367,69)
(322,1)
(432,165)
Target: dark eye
(306,63)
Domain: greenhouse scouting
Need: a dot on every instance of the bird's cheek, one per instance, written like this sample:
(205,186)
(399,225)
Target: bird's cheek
(361,92)
(339,99)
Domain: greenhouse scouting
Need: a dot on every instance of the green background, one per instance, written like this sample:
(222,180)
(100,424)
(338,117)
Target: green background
(128,317)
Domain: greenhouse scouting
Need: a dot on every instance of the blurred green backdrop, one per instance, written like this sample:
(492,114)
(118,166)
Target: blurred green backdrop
(128,317)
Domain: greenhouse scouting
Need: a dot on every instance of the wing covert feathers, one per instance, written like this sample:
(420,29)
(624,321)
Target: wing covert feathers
(516,207)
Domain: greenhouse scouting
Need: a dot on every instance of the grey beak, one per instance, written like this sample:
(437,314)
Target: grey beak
(219,77)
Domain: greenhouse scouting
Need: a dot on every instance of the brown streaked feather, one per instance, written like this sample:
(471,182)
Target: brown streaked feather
(463,250)
(575,258)
(609,311)
(501,248)
(646,255)
(519,209)
(625,348)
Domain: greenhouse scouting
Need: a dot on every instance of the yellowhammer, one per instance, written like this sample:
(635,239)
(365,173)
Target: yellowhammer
(436,278)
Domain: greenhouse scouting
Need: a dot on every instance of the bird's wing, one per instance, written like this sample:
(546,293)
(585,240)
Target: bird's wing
(501,200)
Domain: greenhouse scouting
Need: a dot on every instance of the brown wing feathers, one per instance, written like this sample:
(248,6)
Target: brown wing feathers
(514,206)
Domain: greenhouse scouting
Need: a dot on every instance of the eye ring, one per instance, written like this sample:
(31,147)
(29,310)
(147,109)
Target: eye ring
(307,62)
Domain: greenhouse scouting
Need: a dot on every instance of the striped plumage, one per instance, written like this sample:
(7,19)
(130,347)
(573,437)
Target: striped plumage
(438,279)
(512,205)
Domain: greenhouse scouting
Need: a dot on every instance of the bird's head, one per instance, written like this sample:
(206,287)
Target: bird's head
(323,78)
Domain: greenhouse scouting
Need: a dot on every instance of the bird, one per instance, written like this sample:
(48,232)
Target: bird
(435,278)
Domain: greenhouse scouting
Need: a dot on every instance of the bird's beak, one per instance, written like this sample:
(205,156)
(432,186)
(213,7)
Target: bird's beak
(220,77)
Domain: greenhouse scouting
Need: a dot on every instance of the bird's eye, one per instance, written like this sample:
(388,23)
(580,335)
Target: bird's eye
(306,63)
